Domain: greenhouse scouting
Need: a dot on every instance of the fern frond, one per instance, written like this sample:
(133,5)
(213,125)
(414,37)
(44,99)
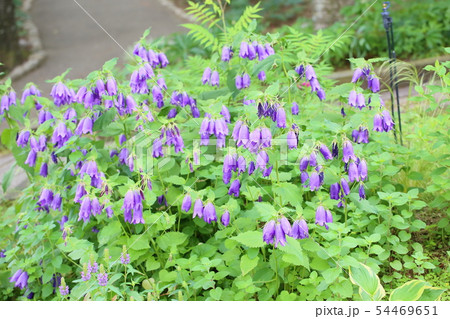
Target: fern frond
(250,13)
(201,35)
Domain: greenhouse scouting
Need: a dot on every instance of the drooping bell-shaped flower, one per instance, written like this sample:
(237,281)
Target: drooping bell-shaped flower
(378,123)
(362,169)
(362,193)
(266,172)
(388,124)
(347,151)
(292,140)
(61,94)
(357,75)
(304,163)
(243,51)
(20,278)
(245,80)
(241,165)
(314,181)
(352,98)
(299,229)
(61,135)
(304,177)
(360,101)
(280,236)
(85,209)
(309,73)
(313,159)
(373,84)
(281,117)
(251,168)
(353,172)
(344,186)
(325,152)
(163,59)
(323,217)
(157,148)
(285,225)
(269,232)
(262,159)
(215,81)
(295,108)
(335,190)
(206,78)
(44,170)
(31,159)
(225,219)
(198,208)
(22,138)
(238,82)
(262,76)
(234,188)
(187,202)
(209,213)
(226,53)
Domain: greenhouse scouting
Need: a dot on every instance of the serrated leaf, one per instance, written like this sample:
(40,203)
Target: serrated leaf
(248,264)
(252,239)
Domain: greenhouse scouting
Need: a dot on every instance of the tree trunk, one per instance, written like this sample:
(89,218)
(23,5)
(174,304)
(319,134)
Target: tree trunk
(326,12)
(9,40)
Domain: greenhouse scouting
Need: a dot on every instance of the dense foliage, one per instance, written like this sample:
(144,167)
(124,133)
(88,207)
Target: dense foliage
(245,176)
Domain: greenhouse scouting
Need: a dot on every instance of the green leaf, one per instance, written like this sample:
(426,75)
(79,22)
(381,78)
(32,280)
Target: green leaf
(171,239)
(138,242)
(252,239)
(110,64)
(294,253)
(368,282)
(431,294)
(289,193)
(7,178)
(248,264)
(105,119)
(410,291)
(176,180)
(109,233)
(396,264)
(331,274)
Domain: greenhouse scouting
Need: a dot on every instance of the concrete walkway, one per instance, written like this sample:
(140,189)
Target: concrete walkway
(72,39)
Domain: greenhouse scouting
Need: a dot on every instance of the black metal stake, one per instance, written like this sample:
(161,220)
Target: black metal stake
(393,83)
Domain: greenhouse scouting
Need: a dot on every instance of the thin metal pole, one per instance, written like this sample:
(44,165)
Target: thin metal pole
(394,57)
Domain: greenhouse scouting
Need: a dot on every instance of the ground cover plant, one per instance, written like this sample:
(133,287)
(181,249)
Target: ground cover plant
(248,175)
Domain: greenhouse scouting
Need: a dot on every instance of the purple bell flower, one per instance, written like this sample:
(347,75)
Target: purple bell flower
(314,181)
(373,84)
(353,172)
(304,177)
(234,188)
(198,208)
(225,219)
(281,117)
(357,75)
(299,229)
(378,123)
(243,51)
(360,101)
(206,75)
(325,152)
(344,186)
(226,53)
(362,193)
(262,76)
(22,138)
(215,78)
(269,232)
(245,80)
(172,113)
(20,278)
(85,209)
(238,82)
(388,124)
(323,217)
(187,202)
(280,236)
(163,60)
(335,190)
(294,108)
(304,163)
(44,170)
(352,98)
(309,73)
(209,213)
(31,159)
(362,169)
(251,168)
(347,150)
(292,140)
(157,148)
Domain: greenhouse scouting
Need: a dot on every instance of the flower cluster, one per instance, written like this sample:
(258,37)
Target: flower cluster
(373,82)
(310,75)
(172,136)
(20,278)
(155,59)
(383,122)
(7,101)
(49,200)
(211,77)
(132,207)
(275,232)
(242,81)
(217,127)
